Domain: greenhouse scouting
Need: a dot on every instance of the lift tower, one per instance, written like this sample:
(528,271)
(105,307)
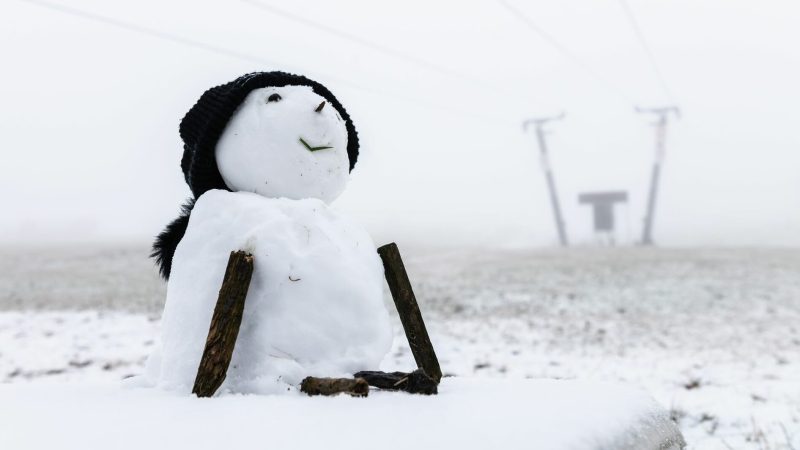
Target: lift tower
(661,131)
(548,171)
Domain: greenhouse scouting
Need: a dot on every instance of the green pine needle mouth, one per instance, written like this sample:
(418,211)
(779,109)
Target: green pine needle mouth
(310,148)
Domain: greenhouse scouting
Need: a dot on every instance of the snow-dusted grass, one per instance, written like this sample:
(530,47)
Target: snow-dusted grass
(714,335)
(74,346)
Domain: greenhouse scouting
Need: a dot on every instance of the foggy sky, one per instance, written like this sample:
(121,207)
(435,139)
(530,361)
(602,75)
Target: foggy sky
(90,114)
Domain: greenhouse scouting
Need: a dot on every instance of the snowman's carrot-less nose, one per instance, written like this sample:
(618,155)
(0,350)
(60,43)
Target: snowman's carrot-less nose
(319,108)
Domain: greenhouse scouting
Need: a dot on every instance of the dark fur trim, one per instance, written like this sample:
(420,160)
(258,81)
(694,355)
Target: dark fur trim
(166,242)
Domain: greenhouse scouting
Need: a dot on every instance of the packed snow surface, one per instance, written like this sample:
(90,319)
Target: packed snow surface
(265,146)
(712,334)
(467,414)
(314,306)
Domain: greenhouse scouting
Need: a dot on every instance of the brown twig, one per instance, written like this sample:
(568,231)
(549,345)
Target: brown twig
(355,387)
(225,324)
(416,382)
(408,309)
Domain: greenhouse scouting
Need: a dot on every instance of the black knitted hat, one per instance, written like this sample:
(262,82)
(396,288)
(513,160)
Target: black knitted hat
(203,125)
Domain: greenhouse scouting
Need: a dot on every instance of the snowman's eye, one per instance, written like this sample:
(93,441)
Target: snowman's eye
(273,98)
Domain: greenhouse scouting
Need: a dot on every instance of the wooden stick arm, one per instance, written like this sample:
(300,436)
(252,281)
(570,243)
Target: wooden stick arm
(408,309)
(225,325)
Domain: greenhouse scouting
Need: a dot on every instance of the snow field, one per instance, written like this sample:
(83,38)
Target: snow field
(711,334)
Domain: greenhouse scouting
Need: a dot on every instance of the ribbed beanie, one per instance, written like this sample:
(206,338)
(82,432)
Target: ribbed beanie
(203,125)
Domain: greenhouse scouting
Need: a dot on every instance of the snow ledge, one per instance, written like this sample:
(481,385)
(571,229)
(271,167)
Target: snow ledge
(469,413)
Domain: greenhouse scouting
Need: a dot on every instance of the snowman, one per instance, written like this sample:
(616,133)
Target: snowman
(264,156)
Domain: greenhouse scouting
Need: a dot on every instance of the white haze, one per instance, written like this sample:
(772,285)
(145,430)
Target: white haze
(89,114)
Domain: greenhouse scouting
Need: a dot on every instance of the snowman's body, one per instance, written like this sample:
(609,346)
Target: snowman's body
(315,303)
(314,306)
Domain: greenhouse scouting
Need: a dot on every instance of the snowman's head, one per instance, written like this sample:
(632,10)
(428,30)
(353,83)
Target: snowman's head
(272,133)
(285,141)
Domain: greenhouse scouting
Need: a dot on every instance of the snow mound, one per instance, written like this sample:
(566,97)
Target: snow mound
(314,307)
(467,414)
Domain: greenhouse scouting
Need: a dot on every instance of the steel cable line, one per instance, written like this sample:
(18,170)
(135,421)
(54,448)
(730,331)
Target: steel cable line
(171,37)
(380,48)
(548,38)
(164,35)
(353,38)
(650,55)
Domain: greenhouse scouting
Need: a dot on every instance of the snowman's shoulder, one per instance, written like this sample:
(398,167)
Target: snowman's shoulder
(222,199)
(215,198)
(246,206)
(221,203)
(245,220)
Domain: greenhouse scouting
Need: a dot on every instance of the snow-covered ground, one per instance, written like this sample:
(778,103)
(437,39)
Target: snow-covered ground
(513,414)
(714,335)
